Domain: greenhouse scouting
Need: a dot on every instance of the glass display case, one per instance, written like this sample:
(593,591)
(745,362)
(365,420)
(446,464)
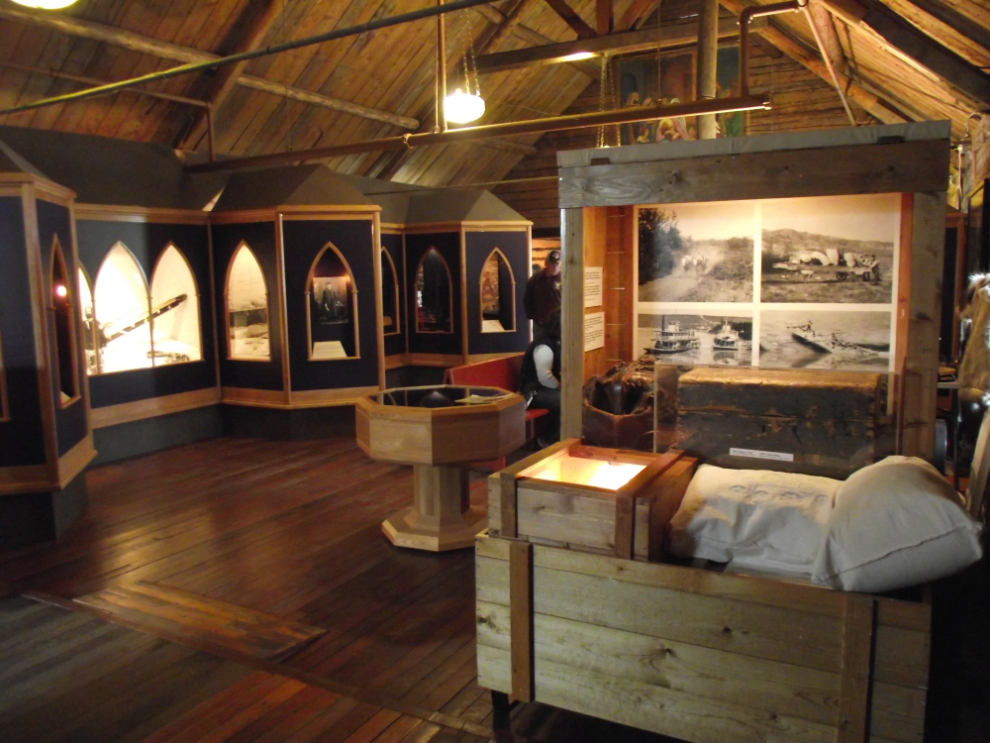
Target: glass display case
(390,296)
(498,291)
(175,326)
(434,294)
(63,322)
(332,308)
(121,314)
(246,299)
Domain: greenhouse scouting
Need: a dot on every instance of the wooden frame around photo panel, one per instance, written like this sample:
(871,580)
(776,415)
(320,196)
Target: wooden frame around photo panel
(397,320)
(65,356)
(352,304)
(242,245)
(196,296)
(499,256)
(450,293)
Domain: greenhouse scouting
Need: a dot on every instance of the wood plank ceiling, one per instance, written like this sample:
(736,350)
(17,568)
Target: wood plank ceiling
(899,60)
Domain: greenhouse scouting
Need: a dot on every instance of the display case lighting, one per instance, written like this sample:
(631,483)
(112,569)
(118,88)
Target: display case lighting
(46,4)
(61,291)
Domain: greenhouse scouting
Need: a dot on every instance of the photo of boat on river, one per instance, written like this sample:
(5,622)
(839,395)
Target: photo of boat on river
(849,341)
(696,339)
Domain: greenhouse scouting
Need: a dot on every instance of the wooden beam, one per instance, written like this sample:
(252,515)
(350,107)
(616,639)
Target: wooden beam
(603,17)
(671,35)
(259,21)
(572,19)
(902,38)
(961,24)
(822,19)
(635,13)
(509,24)
(877,107)
(144,45)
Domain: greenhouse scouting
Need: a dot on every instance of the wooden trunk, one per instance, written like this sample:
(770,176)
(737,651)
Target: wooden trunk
(823,423)
(568,511)
(696,654)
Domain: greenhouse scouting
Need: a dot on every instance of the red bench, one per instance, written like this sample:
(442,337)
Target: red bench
(503,372)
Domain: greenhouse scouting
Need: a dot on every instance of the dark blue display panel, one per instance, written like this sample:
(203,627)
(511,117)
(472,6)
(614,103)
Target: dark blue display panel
(260,237)
(55,221)
(22,438)
(302,242)
(514,247)
(396,343)
(147,241)
(448,244)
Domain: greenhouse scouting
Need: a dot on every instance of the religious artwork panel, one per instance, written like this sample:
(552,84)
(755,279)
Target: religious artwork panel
(696,252)
(830,249)
(817,339)
(680,338)
(246,298)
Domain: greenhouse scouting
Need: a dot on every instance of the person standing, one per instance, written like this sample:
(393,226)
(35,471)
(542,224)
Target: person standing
(540,377)
(542,297)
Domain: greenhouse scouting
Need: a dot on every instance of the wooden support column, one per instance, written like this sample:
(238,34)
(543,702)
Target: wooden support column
(707,60)
(859,629)
(521,619)
(572,321)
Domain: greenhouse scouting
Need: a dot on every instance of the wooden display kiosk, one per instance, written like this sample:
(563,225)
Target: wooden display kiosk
(45,437)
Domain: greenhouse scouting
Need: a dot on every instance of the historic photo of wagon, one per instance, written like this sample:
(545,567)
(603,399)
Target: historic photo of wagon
(823,339)
(829,249)
(696,339)
(696,252)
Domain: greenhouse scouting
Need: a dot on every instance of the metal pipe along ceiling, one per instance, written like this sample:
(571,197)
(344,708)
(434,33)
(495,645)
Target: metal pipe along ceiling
(533,126)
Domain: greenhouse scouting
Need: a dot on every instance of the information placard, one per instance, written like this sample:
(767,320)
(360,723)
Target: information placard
(593,281)
(594,331)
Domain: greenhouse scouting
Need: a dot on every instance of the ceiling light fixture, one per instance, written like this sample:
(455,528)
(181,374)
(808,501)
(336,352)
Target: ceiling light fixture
(465,106)
(577,56)
(46,4)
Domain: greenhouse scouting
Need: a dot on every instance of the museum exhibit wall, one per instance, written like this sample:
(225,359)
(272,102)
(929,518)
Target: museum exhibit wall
(45,438)
(497,266)
(433,307)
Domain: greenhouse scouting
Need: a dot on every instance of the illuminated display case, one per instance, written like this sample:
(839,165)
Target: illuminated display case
(246,301)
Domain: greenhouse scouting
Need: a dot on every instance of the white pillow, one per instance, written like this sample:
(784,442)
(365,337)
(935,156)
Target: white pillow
(753,519)
(896,523)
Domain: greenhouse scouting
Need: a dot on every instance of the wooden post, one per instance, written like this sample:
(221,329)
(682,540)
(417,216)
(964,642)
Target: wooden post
(572,322)
(707,60)
(859,628)
(521,619)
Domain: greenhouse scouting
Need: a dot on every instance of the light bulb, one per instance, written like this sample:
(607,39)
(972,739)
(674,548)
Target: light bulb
(46,4)
(577,56)
(61,291)
(462,108)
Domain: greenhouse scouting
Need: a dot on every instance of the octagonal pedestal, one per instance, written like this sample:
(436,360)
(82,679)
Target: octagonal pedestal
(442,517)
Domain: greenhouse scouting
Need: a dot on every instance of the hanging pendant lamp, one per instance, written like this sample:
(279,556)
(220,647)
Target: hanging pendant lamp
(465,106)
(45,4)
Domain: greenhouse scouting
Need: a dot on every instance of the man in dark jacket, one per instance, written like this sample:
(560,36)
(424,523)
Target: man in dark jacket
(540,377)
(542,297)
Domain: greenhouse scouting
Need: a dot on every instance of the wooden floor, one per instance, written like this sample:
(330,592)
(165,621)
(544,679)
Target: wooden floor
(344,638)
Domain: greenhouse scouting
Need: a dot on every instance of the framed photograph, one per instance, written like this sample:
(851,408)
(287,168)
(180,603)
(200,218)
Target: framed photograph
(696,252)
(826,339)
(834,249)
(683,338)
(331,300)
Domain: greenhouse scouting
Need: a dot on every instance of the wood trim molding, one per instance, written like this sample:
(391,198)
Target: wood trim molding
(432,228)
(52,192)
(435,359)
(376,250)
(108,213)
(114,415)
(390,228)
(516,226)
(75,461)
(257,398)
(243,217)
(476,357)
(329,398)
(26,479)
(396,361)
(330,211)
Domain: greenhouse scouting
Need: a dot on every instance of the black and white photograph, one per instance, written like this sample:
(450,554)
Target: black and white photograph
(696,339)
(331,297)
(696,252)
(829,249)
(825,339)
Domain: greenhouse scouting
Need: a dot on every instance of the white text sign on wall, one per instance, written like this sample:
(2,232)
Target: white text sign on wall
(594,331)
(593,283)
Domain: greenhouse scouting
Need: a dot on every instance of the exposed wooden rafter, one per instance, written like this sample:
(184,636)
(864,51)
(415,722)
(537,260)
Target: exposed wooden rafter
(961,24)
(670,35)
(145,45)
(572,19)
(261,15)
(908,42)
(603,17)
(825,26)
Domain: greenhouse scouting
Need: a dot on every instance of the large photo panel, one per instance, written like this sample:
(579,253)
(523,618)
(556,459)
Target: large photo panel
(842,340)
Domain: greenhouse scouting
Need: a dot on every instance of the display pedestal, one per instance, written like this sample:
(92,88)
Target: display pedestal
(442,517)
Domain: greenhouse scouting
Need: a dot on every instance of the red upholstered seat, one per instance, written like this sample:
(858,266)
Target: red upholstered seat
(503,373)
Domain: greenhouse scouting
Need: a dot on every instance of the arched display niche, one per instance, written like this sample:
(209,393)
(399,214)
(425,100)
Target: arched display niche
(331,308)
(89,324)
(497,287)
(121,312)
(390,296)
(434,294)
(63,322)
(245,298)
(175,321)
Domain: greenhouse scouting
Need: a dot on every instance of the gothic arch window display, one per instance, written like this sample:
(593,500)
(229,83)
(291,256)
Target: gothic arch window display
(63,324)
(390,296)
(246,307)
(331,305)
(434,294)
(121,313)
(175,322)
(498,292)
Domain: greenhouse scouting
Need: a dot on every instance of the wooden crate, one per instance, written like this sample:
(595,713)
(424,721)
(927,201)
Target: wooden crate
(822,423)
(697,654)
(544,499)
